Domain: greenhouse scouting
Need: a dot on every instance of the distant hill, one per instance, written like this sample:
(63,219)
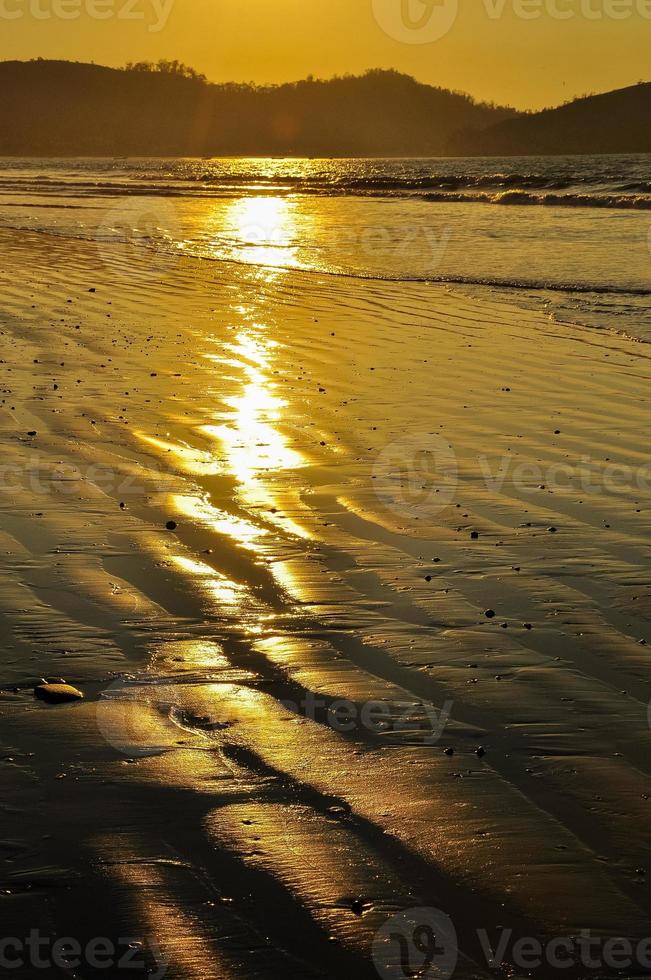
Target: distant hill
(615,122)
(59,108)
(64,108)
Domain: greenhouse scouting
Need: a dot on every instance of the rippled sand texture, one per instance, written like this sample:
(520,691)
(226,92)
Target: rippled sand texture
(286,424)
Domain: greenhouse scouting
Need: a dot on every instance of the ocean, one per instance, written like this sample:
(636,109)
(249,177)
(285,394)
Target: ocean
(568,235)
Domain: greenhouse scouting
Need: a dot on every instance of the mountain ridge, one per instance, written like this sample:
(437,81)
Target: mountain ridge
(62,108)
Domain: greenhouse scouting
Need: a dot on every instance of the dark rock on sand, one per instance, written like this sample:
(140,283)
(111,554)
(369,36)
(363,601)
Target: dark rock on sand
(57,693)
(171,525)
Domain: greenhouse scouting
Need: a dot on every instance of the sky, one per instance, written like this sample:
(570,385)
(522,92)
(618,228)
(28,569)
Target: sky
(526,53)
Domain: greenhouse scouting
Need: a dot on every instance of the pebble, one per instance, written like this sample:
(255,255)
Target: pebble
(171,525)
(490,614)
(57,693)
(475,535)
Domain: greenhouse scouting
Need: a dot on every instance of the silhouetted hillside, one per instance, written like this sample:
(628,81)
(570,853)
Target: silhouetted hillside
(63,108)
(616,122)
(58,108)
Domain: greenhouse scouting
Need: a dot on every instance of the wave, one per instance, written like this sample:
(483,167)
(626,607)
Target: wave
(521,284)
(639,202)
(526,189)
(195,251)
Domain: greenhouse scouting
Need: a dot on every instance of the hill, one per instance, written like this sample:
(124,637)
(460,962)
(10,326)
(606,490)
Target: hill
(615,122)
(59,108)
(64,108)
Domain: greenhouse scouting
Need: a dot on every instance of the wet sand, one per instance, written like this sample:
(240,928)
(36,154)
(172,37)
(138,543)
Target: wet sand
(287,424)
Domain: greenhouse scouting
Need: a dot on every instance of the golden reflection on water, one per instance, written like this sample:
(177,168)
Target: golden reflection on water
(190,460)
(262,230)
(251,443)
(222,589)
(243,532)
(254,446)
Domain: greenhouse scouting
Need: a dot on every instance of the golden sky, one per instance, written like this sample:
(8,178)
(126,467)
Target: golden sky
(527,53)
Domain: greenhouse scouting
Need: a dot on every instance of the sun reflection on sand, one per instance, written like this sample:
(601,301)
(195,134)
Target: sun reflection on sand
(245,533)
(252,442)
(221,588)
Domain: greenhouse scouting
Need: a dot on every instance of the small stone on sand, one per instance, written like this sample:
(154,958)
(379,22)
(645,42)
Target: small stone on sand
(57,693)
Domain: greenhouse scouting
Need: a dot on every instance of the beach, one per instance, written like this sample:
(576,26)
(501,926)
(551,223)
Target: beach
(353,575)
